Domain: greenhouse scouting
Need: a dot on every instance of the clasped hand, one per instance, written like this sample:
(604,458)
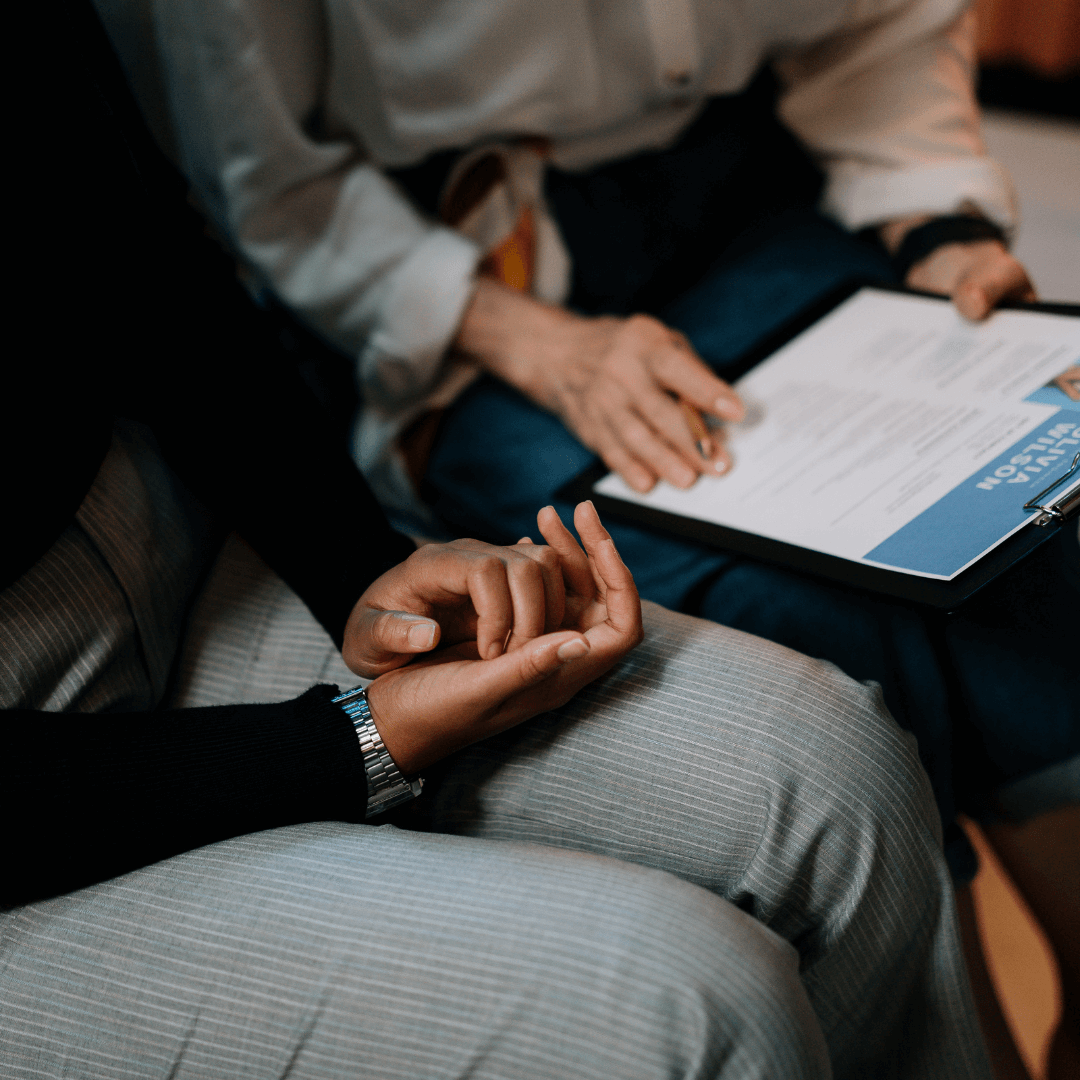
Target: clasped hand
(465,639)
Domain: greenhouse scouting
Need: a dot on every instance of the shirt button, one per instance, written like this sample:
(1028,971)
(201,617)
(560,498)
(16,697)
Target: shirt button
(677,76)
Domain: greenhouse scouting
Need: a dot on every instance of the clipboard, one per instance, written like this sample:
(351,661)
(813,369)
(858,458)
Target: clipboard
(1054,508)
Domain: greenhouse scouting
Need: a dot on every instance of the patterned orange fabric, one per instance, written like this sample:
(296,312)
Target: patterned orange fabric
(512,261)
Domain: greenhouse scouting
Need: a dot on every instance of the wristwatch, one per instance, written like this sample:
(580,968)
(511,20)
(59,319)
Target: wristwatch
(386,786)
(952,229)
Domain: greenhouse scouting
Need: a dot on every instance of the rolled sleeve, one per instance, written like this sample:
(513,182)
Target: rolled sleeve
(858,195)
(418,309)
(889,110)
(299,196)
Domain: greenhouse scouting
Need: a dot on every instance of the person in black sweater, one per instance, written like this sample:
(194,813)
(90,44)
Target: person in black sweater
(235,423)
(723,857)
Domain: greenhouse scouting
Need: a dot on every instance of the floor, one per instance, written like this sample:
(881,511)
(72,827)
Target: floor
(1043,157)
(1017,957)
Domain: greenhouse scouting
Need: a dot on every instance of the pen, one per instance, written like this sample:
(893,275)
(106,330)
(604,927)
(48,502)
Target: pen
(698,429)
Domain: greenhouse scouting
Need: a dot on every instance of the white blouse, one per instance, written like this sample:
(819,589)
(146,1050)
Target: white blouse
(879,90)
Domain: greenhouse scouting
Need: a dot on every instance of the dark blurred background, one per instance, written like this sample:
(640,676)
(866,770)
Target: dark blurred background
(1030,55)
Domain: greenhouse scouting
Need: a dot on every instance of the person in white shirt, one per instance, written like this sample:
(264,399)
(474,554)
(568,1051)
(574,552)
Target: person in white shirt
(286,116)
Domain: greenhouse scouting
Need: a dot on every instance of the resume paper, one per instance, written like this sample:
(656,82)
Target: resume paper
(897,434)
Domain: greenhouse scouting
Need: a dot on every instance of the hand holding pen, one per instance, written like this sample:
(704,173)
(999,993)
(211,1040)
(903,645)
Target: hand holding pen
(616,383)
(709,443)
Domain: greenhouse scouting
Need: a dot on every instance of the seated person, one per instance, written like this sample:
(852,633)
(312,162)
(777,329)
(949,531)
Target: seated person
(591,207)
(708,855)
(609,165)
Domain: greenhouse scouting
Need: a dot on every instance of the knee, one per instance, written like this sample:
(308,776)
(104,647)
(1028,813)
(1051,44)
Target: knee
(855,750)
(703,989)
(801,727)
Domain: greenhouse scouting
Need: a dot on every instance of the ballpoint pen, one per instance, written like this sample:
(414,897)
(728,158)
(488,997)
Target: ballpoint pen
(698,429)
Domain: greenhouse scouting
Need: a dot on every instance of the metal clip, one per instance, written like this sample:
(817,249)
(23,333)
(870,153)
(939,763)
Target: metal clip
(1055,511)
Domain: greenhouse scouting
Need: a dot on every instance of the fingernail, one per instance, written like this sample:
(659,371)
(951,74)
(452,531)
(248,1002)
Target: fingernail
(729,406)
(422,635)
(722,466)
(684,478)
(571,650)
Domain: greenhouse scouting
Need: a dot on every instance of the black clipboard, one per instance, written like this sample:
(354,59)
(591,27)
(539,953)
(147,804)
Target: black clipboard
(931,592)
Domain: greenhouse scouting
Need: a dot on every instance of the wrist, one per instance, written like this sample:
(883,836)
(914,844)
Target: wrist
(505,331)
(914,239)
(892,233)
(386,784)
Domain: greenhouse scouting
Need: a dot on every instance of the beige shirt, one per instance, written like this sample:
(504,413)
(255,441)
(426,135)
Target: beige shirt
(283,111)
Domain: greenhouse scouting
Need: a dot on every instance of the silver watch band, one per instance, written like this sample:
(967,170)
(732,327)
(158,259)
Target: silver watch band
(386,786)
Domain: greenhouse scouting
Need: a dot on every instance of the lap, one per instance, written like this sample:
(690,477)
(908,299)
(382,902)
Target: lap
(594,871)
(332,949)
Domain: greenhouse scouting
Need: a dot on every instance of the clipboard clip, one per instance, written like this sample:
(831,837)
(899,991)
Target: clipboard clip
(1061,507)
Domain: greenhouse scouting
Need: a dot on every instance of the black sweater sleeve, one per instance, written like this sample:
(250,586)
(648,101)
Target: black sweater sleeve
(84,798)
(133,311)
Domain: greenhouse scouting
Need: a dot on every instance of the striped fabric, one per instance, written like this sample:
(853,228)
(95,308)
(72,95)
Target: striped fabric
(94,625)
(720,860)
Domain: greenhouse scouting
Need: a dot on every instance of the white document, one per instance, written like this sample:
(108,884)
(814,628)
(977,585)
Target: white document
(894,433)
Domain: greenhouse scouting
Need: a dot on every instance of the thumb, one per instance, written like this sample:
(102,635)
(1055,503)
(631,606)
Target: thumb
(505,675)
(397,632)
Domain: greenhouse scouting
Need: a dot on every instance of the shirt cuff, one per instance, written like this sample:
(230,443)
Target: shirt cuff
(858,195)
(420,310)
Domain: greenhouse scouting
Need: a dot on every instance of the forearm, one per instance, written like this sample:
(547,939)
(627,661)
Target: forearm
(518,338)
(91,797)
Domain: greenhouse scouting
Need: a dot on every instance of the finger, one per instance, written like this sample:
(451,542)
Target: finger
(492,682)
(400,632)
(529,591)
(489,591)
(377,641)
(525,540)
(547,559)
(646,446)
(677,367)
(575,563)
(988,284)
(680,424)
(615,456)
(620,592)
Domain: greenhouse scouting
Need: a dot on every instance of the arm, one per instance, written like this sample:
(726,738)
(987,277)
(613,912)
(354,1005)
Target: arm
(87,798)
(247,90)
(92,797)
(890,111)
(345,250)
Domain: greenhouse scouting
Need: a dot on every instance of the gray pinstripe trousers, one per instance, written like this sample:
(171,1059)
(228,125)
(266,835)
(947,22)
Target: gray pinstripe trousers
(721,860)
